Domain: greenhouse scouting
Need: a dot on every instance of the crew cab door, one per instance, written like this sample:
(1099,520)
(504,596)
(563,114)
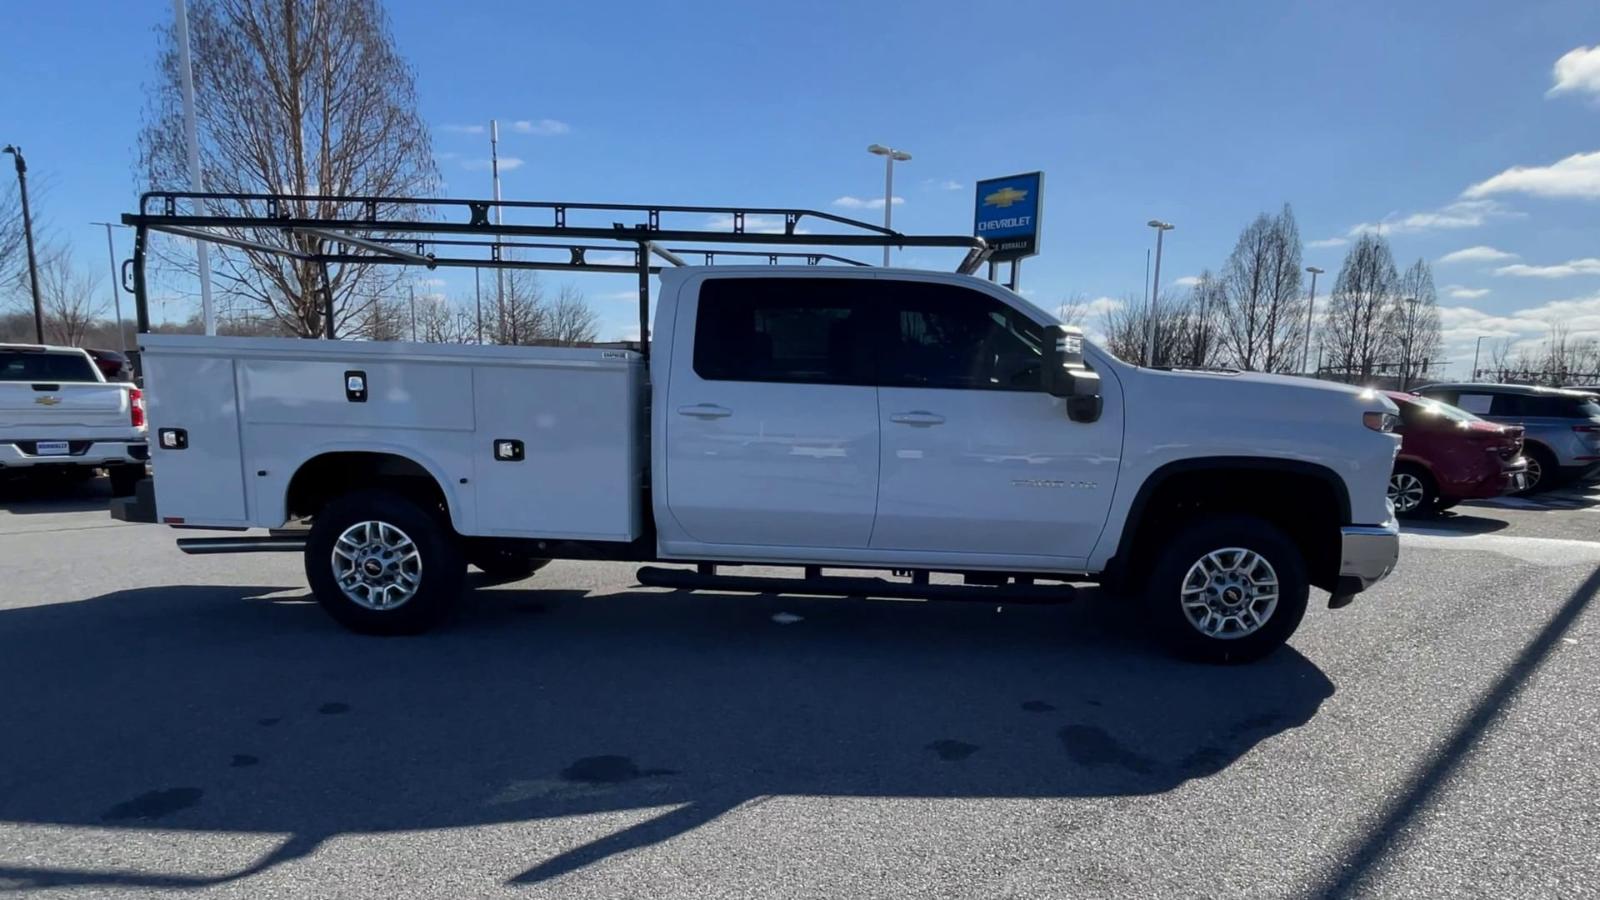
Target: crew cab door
(976,457)
(771,415)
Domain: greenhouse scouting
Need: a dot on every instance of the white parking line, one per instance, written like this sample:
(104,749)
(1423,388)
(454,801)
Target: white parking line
(1537,551)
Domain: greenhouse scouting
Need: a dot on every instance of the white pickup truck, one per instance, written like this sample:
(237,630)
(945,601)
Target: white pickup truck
(802,416)
(58,414)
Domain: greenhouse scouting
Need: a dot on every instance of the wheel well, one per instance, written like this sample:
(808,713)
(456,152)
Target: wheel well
(1307,502)
(323,478)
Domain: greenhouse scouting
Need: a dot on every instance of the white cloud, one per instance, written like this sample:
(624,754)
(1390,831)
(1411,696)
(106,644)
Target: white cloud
(464,129)
(1576,176)
(541,127)
(941,184)
(1460,214)
(1480,253)
(1460,292)
(1328,242)
(849,202)
(1461,326)
(507,163)
(1187,281)
(1588,266)
(614,296)
(1577,70)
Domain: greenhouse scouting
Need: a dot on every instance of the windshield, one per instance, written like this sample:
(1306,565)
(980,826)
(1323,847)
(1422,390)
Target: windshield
(53,368)
(1427,406)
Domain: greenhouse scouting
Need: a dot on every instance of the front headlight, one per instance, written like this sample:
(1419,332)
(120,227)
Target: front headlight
(1380,421)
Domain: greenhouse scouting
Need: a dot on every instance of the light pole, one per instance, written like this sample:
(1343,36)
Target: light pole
(27,234)
(116,295)
(1475,349)
(1155,289)
(1311,314)
(890,157)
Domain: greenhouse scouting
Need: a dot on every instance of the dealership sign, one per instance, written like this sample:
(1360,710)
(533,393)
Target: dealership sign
(1008,215)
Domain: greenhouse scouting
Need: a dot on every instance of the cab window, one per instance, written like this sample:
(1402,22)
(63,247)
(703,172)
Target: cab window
(946,336)
(800,330)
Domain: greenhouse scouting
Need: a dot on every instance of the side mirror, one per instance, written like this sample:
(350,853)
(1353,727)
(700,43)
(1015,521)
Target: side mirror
(1066,376)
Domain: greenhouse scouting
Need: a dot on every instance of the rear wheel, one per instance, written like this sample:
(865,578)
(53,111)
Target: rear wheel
(1228,589)
(1542,469)
(381,564)
(1411,490)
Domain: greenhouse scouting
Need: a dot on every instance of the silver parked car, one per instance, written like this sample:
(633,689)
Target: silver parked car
(1562,427)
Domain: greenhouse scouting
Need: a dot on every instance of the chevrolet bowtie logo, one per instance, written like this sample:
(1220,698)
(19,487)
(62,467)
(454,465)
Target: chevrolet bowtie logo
(47,400)
(1005,197)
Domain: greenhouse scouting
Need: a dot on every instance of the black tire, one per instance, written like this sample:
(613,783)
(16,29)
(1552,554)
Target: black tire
(1412,490)
(1544,472)
(1197,539)
(124,479)
(440,567)
(506,565)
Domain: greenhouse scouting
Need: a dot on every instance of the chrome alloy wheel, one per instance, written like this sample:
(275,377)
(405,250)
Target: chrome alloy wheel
(1406,491)
(377,565)
(1534,472)
(1230,593)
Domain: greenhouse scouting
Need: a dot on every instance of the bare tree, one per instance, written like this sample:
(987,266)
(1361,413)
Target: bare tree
(571,320)
(11,234)
(1208,302)
(1073,310)
(1414,324)
(520,317)
(1355,335)
(1262,325)
(1183,335)
(441,322)
(70,298)
(293,97)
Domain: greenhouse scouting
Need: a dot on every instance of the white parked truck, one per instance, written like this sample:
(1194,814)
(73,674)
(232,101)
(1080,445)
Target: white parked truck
(816,417)
(59,415)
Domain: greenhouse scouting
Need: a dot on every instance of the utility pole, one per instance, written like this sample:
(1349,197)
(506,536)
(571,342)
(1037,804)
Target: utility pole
(1155,289)
(116,295)
(27,234)
(1475,349)
(191,140)
(1311,314)
(477,292)
(413,290)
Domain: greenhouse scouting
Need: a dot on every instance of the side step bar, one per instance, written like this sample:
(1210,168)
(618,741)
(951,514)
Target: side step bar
(269,543)
(816,584)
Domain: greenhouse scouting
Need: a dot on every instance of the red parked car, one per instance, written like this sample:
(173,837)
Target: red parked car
(1448,455)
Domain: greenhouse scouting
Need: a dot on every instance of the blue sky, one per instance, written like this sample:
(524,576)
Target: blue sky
(1411,117)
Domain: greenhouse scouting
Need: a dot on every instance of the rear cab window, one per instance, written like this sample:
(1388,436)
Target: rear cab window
(793,330)
(45,367)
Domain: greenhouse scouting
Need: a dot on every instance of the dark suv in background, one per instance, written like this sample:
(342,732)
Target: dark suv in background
(1561,428)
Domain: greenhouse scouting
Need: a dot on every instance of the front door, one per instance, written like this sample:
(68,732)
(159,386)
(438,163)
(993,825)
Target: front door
(976,457)
(772,418)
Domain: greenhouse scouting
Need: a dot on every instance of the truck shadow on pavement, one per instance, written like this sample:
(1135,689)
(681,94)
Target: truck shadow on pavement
(54,494)
(244,710)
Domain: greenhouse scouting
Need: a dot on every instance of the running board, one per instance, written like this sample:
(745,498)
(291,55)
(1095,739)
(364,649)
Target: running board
(839,586)
(270,543)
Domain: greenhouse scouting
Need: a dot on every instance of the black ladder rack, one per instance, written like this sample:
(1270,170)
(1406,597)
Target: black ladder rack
(422,231)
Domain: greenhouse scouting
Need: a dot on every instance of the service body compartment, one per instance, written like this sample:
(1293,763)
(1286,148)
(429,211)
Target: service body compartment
(256,410)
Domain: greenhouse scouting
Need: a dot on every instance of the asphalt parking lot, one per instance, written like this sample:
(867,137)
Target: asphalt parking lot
(194,724)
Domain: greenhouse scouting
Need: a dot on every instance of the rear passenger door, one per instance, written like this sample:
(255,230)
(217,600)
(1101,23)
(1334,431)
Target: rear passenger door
(772,416)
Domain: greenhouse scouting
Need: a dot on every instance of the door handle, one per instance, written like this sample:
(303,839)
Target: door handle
(705,411)
(919,418)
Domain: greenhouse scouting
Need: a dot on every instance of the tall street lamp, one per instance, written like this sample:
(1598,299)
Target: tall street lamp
(890,157)
(1155,289)
(1475,348)
(116,295)
(1311,314)
(27,234)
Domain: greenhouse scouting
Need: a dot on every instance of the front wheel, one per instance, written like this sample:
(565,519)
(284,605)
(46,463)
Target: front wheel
(1227,589)
(1542,470)
(1412,491)
(380,564)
